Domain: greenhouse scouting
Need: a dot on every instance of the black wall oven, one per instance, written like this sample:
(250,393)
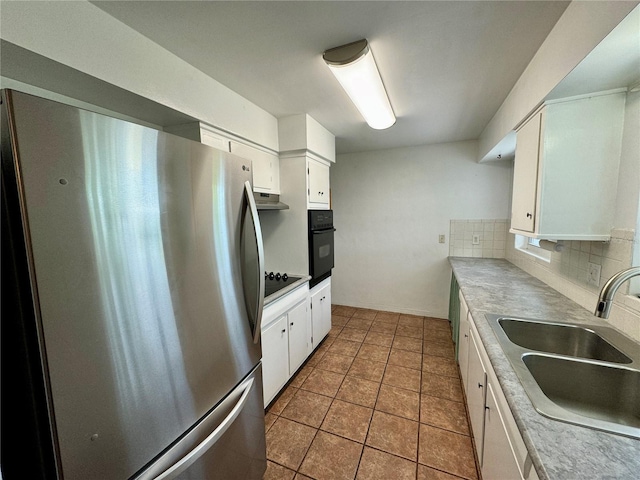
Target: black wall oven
(320,245)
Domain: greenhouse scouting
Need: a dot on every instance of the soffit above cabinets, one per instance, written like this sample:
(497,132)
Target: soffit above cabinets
(447,66)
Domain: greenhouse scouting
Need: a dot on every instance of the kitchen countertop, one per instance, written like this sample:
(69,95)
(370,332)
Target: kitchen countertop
(289,288)
(559,451)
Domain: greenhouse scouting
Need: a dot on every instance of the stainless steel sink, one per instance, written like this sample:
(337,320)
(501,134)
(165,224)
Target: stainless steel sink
(583,374)
(576,389)
(560,338)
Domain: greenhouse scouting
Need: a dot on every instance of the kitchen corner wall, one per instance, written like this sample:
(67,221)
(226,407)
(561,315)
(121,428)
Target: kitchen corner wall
(390,206)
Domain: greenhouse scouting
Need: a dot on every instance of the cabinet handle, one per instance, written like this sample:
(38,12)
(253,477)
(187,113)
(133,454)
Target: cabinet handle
(466,336)
(292,324)
(284,330)
(479,385)
(529,215)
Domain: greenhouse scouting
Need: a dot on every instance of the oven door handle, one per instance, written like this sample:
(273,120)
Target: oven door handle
(320,232)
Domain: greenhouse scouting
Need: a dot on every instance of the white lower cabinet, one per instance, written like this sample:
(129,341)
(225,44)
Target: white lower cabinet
(275,358)
(501,451)
(476,389)
(499,460)
(286,326)
(297,325)
(463,341)
(320,312)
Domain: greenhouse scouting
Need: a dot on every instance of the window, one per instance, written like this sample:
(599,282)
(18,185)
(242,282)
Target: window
(531,246)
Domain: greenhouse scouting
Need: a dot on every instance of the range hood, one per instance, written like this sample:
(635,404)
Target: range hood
(269,201)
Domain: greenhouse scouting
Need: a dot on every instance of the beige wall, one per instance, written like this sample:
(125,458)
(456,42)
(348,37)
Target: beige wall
(390,206)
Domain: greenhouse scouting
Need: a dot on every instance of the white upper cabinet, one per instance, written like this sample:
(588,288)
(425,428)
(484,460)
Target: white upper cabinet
(566,168)
(203,133)
(265,167)
(525,175)
(301,133)
(265,164)
(318,190)
(304,143)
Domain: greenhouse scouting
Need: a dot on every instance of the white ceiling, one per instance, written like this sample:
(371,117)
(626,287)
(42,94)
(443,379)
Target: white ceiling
(447,65)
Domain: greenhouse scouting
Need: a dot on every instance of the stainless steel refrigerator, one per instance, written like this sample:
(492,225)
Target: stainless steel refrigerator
(132,294)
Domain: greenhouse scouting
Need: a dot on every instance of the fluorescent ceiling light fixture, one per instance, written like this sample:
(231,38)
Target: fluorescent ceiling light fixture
(354,67)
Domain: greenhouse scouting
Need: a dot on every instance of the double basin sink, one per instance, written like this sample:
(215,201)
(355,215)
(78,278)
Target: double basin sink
(587,375)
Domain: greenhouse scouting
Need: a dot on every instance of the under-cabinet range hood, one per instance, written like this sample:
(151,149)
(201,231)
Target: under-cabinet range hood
(269,201)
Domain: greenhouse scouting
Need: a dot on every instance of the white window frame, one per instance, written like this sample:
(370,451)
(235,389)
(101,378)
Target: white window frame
(530,246)
(634,285)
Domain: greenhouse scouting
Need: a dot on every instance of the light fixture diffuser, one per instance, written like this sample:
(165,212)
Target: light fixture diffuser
(354,67)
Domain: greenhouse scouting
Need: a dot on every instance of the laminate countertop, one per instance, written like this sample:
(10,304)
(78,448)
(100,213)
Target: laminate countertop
(559,450)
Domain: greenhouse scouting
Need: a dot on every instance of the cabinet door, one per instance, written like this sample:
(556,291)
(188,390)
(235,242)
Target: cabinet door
(316,318)
(275,358)
(324,318)
(525,175)
(499,461)
(298,328)
(463,341)
(215,140)
(477,378)
(326,311)
(318,182)
(321,314)
(265,167)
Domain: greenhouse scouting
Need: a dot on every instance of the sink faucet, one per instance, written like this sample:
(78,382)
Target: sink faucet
(605,301)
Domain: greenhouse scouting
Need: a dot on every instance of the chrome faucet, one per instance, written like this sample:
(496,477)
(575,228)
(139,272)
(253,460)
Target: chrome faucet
(605,301)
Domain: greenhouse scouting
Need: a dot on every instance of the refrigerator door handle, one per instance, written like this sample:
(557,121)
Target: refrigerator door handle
(185,462)
(253,210)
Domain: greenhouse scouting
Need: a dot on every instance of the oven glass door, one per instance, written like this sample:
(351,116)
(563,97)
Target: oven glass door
(321,257)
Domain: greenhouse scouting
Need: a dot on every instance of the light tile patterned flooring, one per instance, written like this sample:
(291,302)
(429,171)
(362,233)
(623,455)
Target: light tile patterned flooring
(379,399)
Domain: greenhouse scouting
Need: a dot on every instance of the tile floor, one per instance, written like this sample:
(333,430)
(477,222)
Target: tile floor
(379,399)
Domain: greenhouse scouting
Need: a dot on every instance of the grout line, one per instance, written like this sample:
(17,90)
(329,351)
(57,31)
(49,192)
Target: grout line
(380,383)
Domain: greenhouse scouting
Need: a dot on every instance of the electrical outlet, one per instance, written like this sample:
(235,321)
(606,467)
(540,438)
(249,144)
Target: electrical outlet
(440,238)
(475,239)
(593,277)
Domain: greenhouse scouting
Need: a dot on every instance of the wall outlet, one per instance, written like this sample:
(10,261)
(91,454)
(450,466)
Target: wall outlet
(475,240)
(593,276)
(440,238)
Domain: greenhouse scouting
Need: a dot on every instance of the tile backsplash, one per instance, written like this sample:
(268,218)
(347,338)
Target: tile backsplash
(567,273)
(490,238)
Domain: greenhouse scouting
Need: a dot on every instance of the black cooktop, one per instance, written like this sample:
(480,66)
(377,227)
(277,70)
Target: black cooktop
(277,281)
